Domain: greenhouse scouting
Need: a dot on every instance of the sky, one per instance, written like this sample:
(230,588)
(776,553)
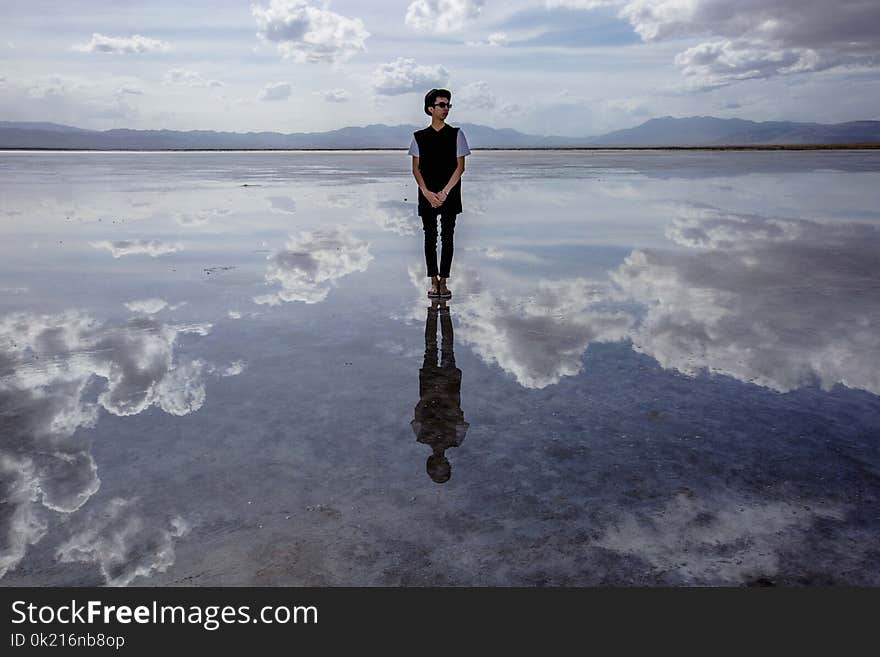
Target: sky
(552,67)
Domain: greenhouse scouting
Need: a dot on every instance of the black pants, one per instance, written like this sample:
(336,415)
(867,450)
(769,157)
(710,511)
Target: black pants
(447,225)
(447,352)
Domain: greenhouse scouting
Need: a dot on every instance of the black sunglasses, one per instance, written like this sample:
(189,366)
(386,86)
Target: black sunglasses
(449,105)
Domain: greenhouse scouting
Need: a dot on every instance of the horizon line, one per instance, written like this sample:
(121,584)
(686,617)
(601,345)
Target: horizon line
(718,147)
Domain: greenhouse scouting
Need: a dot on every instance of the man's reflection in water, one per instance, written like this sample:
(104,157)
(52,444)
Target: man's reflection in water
(439,421)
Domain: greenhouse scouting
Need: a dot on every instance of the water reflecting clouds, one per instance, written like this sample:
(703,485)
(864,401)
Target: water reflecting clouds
(782,303)
(310,264)
(57,373)
(222,369)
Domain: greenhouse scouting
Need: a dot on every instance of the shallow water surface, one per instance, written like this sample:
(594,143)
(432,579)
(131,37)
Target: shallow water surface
(657,368)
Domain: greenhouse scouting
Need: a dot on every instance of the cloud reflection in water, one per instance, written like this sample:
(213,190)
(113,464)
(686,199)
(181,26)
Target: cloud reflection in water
(152,248)
(779,303)
(782,303)
(56,373)
(310,263)
(537,334)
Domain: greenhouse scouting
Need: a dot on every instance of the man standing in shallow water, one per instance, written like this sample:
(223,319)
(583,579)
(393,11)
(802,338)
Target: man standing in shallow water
(438,154)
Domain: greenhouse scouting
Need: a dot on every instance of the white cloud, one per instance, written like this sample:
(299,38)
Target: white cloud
(335,95)
(68,479)
(113,108)
(403,76)
(310,264)
(509,255)
(183,78)
(442,16)
(275,91)
(397,217)
(234,369)
(477,95)
(135,360)
(702,313)
(718,63)
(633,106)
(60,371)
(698,312)
(754,38)
(200,217)
(538,334)
(309,34)
(338,200)
(708,228)
(788,23)
(130,89)
(491,252)
(22,524)
(282,204)
(146,306)
(122,45)
(181,391)
(123,542)
(55,85)
(74,100)
(152,248)
(498,39)
(581,4)
(197,328)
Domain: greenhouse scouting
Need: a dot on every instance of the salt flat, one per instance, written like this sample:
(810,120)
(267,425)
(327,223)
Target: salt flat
(213,371)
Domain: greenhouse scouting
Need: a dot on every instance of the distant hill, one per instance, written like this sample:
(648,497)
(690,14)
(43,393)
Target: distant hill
(711,131)
(665,131)
(48,135)
(47,127)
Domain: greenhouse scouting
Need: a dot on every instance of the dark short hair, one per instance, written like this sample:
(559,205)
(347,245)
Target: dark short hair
(432,96)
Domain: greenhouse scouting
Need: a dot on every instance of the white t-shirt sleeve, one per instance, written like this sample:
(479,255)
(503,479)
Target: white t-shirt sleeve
(414,148)
(462,147)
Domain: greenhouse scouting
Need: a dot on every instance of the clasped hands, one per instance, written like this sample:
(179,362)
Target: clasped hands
(436,199)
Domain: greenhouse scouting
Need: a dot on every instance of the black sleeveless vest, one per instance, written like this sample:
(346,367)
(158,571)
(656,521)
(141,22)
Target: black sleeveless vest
(437,163)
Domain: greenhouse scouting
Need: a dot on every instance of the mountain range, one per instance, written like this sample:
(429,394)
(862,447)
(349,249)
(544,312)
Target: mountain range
(664,131)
